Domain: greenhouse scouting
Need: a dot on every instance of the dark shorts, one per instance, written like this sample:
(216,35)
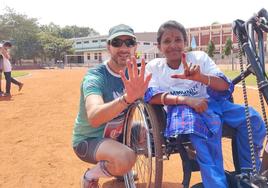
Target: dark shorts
(86,150)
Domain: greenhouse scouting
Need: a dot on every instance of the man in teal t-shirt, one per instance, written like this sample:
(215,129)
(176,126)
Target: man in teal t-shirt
(101,81)
(106,93)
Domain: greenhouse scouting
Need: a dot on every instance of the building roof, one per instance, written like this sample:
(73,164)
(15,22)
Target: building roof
(145,36)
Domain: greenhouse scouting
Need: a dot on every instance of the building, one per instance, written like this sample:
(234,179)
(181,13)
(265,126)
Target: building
(93,49)
(217,33)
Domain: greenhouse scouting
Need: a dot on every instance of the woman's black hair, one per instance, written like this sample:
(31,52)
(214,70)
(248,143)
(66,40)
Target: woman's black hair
(171,24)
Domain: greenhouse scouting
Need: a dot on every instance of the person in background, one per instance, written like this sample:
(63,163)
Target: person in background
(1,72)
(106,92)
(4,51)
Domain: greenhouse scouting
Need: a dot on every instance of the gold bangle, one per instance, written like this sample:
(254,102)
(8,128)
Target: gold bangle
(163,96)
(208,81)
(177,100)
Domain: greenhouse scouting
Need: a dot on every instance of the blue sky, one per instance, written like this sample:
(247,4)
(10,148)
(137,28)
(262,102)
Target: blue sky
(142,15)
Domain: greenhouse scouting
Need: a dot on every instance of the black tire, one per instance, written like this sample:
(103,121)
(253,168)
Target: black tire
(142,121)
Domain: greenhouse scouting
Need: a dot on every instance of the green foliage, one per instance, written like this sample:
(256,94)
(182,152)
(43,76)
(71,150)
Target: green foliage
(75,32)
(22,31)
(18,73)
(51,29)
(31,41)
(68,32)
(250,80)
(190,49)
(215,23)
(54,47)
(228,47)
(211,48)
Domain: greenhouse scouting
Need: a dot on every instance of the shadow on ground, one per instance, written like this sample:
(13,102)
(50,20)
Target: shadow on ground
(119,184)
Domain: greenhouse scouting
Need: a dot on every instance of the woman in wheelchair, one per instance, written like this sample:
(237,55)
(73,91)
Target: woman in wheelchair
(195,94)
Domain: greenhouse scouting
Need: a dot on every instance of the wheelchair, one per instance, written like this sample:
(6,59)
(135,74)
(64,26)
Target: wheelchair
(155,148)
(152,148)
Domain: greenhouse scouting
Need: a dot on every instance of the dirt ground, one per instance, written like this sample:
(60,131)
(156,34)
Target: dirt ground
(36,130)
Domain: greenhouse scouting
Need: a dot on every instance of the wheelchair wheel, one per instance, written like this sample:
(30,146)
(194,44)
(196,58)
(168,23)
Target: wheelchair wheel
(142,134)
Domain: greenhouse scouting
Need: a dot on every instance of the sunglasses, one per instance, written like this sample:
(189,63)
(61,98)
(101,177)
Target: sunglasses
(118,42)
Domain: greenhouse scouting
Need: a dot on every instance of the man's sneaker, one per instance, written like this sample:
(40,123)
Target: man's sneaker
(20,86)
(85,183)
(135,176)
(6,95)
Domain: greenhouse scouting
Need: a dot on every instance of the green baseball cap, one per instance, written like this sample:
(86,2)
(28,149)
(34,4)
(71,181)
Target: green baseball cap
(120,30)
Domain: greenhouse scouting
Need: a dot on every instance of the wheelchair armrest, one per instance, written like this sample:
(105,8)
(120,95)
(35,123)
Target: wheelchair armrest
(161,115)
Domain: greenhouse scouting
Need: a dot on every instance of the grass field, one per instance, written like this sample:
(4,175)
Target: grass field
(250,80)
(15,74)
(18,73)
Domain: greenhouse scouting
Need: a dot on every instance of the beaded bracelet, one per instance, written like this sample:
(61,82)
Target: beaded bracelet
(125,101)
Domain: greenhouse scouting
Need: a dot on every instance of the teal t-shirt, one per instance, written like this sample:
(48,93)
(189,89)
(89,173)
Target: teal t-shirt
(99,80)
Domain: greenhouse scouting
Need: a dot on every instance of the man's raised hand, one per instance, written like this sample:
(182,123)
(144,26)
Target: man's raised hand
(136,85)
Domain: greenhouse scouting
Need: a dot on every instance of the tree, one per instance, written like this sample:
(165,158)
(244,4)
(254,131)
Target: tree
(215,23)
(52,29)
(211,48)
(22,31)
(190,49)
(31,40)
(55,47)
(75,32)
(228,47)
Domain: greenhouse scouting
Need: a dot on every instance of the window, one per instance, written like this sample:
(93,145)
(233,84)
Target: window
(78,42)
(94,41)
(100,57)
(86,42)
(146,43)
(103,40)
(88,56)
(145,56)
(96,56)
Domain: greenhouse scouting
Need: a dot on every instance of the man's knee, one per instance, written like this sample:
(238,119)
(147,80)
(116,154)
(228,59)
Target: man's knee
(123,162)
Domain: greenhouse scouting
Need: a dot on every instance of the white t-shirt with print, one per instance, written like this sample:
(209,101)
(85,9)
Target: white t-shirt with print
(161,75)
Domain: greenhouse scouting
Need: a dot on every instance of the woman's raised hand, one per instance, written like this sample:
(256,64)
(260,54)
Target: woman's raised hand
(191,72)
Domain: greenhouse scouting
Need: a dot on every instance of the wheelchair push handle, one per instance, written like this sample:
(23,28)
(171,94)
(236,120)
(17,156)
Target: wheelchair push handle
(260,20)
